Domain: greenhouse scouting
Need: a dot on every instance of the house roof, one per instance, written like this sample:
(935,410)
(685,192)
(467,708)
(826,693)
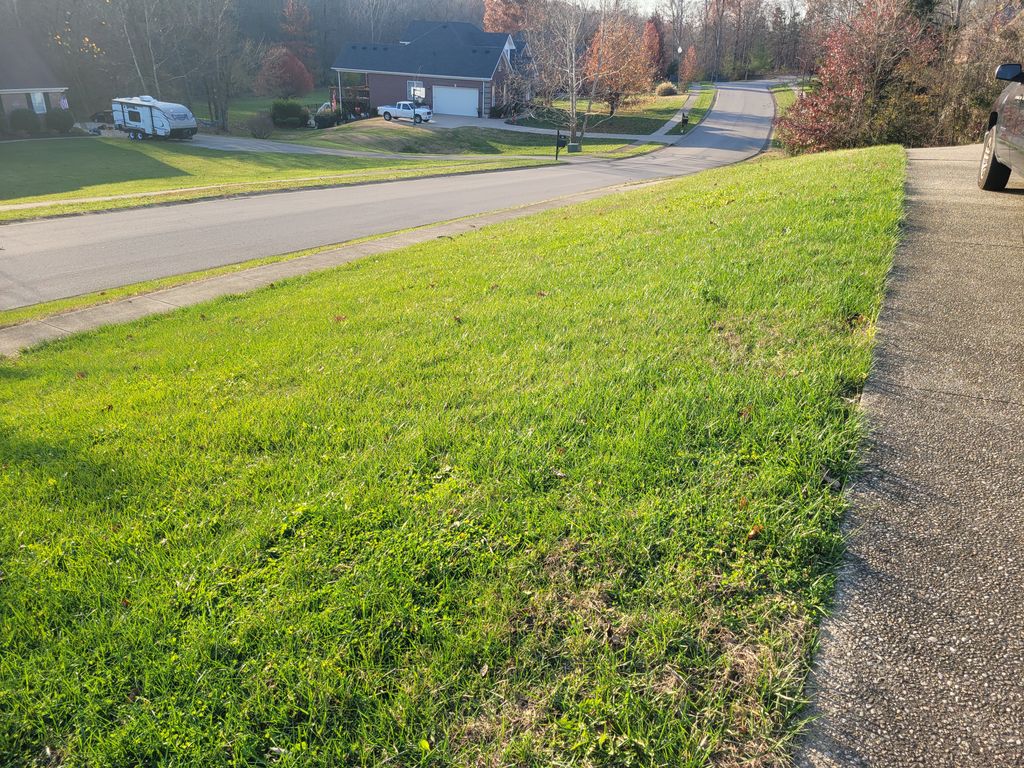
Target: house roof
(445,49)
(467,34)
(21,66)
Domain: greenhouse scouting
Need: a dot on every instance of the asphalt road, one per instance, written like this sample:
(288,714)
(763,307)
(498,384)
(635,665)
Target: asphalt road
(59,258)
(922,663)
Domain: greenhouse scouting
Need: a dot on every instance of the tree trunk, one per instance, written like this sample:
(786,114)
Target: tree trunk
(131,49)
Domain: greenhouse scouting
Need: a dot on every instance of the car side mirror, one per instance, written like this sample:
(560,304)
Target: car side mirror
(1011,72)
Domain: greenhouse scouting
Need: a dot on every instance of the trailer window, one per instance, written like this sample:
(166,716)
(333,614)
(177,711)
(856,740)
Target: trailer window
(134,115)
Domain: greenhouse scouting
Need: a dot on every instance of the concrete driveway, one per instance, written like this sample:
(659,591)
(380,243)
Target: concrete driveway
(923,661)
(53,259)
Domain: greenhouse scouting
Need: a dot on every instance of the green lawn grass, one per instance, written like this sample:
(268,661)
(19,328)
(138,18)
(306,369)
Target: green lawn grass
(59,170)
(377,135)
(701,105)
(784,96)
(643,117)
(244,108)
(561,491)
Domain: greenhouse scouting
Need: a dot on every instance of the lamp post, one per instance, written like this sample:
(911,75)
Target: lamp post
(679,69)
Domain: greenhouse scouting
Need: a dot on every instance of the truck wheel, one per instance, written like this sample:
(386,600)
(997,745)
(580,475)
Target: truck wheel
(417,119)
(387,116)
(992,175)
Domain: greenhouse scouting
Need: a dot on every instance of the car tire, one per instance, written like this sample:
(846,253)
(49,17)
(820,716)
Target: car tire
(992,175)
(387,116)
(417,119)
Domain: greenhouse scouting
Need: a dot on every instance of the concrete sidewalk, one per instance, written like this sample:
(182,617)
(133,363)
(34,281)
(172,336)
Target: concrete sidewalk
(922,663)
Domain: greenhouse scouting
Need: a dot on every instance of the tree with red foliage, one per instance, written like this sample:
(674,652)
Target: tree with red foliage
(617,64)
(873,84)
(654,45)
(297,31)
(688,67)
(506,15)
(283,74)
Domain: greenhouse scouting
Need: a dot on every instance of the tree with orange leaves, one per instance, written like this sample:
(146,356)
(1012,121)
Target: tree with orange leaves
(688,68)
(297,31)
(618,65)
(505,15)
(654,45)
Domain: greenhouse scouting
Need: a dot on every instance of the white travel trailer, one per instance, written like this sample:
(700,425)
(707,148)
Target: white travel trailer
(144,117)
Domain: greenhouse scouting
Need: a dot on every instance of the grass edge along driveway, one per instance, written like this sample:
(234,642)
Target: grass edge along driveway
(562,490)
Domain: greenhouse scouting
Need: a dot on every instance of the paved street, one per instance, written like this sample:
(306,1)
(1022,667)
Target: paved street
(53,259)
(923,662)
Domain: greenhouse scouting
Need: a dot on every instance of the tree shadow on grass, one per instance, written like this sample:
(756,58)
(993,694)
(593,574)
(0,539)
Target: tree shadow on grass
(73,466)
(57,166)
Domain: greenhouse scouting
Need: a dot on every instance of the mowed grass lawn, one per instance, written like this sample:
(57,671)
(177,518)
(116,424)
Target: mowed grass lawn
(563,491)
(378,135)
(59,170)
(642,117)
(784,96)
(243,108)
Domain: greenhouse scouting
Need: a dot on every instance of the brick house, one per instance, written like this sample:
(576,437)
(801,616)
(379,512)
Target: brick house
(26,80)
(455,67)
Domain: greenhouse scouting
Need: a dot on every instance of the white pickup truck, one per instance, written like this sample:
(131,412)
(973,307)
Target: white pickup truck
(406,109)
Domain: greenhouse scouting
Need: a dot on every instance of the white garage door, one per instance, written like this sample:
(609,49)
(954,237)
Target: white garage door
(456,101)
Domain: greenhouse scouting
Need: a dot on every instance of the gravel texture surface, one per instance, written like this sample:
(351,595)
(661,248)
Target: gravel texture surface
(922,663)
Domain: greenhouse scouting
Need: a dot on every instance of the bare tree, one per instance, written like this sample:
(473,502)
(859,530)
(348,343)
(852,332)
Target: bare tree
(559,46)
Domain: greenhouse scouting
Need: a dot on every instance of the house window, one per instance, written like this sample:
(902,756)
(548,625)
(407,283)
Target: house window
(415,90)
(38,103)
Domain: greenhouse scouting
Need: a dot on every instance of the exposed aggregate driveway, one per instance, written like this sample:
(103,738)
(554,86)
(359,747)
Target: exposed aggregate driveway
(922,663)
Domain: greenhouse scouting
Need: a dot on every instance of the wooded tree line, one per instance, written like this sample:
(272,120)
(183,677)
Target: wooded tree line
(202,52)
(914,72)
(722,39)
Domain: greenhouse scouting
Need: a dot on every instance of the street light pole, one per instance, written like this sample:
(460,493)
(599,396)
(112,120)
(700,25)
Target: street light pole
(679,68)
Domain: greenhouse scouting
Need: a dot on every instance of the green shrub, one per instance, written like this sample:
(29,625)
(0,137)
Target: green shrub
(60,120)
(23,121)
(261,126)
(665,89)
(286,113)
(328,118)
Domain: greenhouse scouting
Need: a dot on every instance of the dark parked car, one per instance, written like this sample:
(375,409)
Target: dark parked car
(103,117)
(1004,140)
